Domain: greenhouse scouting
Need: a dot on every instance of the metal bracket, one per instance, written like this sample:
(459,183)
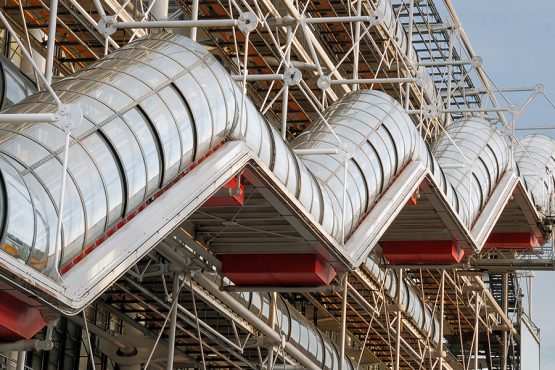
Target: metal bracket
(324,82)
(430,111)
(476,62)
(376,18)
(292,76)
(70,116)
(247,22)
(107,25)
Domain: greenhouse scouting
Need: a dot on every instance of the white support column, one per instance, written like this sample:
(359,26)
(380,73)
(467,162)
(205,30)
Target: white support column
(476,330)
(173,321)
(441,317)
(194,17)
(344,322)
(356,50)
(51,43)
(21,356)
(505,302)
(399,321)
(272,323)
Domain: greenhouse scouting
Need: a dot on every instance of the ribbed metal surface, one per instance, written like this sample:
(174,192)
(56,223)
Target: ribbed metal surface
(535,160)
(380,138)
(155,106)
(473,155)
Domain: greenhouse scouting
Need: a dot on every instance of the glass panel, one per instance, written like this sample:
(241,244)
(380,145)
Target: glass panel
(216,103)
(14,91)
(266,306)
(21,220)
(166,128)
(131,158)
(92,191)
(25,150)
(108,95)
(73,217)
(111,175)
(184,123)
(47,134)
(155,59)
(131,85)
(139,70)
(190,89)
(39,258)
(142,130)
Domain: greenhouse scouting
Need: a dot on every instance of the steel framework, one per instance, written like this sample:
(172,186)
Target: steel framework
(174,308)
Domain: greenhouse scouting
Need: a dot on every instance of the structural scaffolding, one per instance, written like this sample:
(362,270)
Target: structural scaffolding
(264,184)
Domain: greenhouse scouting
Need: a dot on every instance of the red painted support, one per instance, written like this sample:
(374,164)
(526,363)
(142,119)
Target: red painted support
(413,199)
(225,197)
(18,320)
(408,252)
(307,269)
(516,241)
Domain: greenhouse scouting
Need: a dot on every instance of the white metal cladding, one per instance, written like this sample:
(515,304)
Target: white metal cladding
(535,160)
(158,104)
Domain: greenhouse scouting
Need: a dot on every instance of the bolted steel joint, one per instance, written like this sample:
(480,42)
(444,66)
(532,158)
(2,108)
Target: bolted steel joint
(430,111)
(538,89)
(476,62)
(107,25)
(69,116)
(512,108)
(292,76)
(247,22)
(376,18)
(419,78)
(324,82)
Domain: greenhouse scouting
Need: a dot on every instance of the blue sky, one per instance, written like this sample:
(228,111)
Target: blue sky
(517,42)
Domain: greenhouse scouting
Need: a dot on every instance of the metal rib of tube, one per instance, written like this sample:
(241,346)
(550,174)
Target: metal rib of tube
(138,136)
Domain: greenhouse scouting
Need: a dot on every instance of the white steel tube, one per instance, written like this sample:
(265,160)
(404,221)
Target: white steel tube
(374,80)
(51,42)
(173,321)
(259,77)
(445,63)
(58,244)
(351,19)
(99,8)
(178,24)
(399,321)
(344,321)
(28,117)
(356,50)
(21,356)
(285,96)
(194,17)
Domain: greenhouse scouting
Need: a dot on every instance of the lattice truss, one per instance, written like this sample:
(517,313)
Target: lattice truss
(293,59)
